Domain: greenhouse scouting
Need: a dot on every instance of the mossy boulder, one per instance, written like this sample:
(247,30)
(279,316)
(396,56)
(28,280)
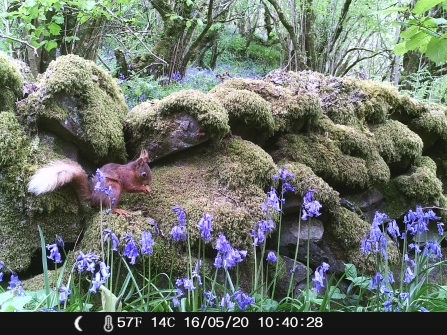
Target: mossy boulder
(175,123)
(249,114)
(11,83)
(397,144)
(290,109)
(81,103)
(21,214)
(227,181)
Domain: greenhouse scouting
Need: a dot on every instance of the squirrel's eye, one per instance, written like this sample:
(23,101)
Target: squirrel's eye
(144,175)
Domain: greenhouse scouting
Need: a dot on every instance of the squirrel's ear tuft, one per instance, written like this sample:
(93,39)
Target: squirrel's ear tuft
(144,155)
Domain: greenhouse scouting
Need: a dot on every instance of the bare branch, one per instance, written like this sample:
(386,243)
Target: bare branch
(22,42)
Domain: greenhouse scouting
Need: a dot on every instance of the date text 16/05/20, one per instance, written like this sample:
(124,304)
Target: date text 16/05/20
(232,321)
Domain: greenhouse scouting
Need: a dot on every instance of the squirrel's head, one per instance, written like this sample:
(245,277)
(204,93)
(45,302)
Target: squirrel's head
(143,169)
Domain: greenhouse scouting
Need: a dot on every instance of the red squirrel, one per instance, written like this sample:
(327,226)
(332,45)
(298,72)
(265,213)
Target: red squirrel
(133,177)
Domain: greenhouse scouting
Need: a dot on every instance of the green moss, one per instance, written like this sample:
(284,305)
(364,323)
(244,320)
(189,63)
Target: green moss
(397,143)
(206,110)
(350,140)
(14,143)
(11,83)
(247,108)
(425,161)
(430,125)
(325,158)
(87,100)
(290,110)
(421,185)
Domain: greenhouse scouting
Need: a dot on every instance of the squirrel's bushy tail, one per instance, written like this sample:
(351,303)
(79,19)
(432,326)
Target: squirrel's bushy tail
(57,174)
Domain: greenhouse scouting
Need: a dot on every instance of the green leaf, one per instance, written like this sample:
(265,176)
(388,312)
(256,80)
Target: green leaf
(417,40)
(54,29)
(50,45)
(437,50)
(408,33)
(58,18)
(424,5)
(439,21)
(188,23)
(351,271)
(400,48)
(199,22)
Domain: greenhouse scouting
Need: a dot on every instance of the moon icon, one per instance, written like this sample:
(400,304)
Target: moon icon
(76,323)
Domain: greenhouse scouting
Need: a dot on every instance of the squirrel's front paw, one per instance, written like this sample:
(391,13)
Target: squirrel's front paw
(147,189)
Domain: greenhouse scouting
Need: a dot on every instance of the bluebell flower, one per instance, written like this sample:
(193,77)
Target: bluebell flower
(417,222)
(131,251)
(287,187)
(319,276)
(14,281)
(86,262)
(108,234)
(375,241)
(409,260)
(387,304)
(390,277)
(440,229)
(423,309)
(175,302)
(311,207)
(434,247)
(261,229)
(222,244)
(96,283)
(393,228)
(55,256)
(188,284)
(1,276)
(178,233)
(209,298)
(404,295)
(243,300)
(218,261)
(204,226)
(59,241)
(375,281)
(146,242)
(271,257)
(272,200)
(408,275)
(64,292)
(180,215)
(226,302)
(104,270)
(414,246)
(283,174)
(196,274)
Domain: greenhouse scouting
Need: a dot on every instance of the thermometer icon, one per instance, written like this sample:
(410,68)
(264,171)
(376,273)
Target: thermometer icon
(108,327)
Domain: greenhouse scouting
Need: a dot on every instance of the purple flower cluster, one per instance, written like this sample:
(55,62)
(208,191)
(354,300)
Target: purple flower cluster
(178,232)
(311,208)
(88,262)
(319,276)
(271,203)
(227,257)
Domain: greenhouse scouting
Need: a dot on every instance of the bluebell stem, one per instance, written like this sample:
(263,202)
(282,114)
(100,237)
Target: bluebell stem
(204,226)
